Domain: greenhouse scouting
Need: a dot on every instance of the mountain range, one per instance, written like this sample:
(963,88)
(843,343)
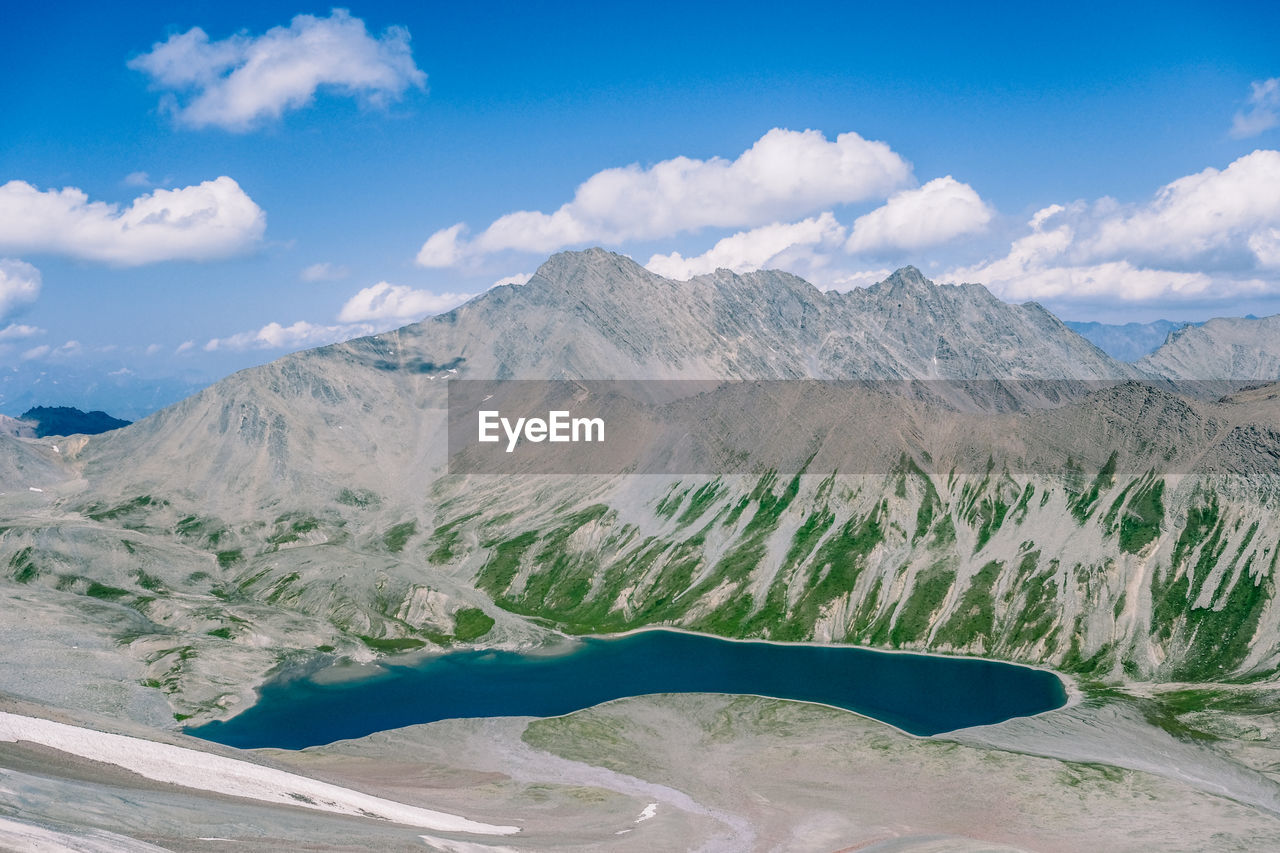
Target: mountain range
(304,508)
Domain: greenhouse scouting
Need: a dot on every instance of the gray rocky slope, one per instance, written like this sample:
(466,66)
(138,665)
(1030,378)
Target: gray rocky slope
(1223,348)
(303,507)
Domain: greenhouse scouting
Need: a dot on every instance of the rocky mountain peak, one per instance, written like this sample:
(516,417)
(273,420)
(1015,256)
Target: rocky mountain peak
(590,270)
(906,281)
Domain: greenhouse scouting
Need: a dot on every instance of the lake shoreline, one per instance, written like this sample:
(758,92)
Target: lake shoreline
(923,696)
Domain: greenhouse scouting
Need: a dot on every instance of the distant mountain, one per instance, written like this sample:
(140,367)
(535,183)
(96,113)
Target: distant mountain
(1224,348)
(88,387)
(65,420)
(1127,342)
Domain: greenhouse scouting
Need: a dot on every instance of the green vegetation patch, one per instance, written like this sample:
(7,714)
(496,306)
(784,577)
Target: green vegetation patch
(670,502)
(23,567)
(391,645)
(1033,602)
(504,562)
(834,570)
(106,593)
(445,538)
(974,618)
(1021,508)
(927,596)
(1140,523)
(1221,637)
(291,526)
(471,623)
(359,498)
(1084,503)
(137,505)
(700,501)
(210,530)
(149,581)
(734,568)
(396,537)
(232,557)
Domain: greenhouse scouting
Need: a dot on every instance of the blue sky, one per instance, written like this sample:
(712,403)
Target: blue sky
(270,181)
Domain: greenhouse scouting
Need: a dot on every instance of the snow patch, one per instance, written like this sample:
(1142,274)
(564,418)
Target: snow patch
(207,772)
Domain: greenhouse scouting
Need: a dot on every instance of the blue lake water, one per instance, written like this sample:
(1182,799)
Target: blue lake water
(921,694)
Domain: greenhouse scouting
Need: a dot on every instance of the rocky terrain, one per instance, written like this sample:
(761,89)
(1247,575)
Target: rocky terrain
(1223,348)
(1122,530)
(770,775)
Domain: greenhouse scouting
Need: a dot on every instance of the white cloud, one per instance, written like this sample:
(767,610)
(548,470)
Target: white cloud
(751,250)
(137,179)
(1262,110)
(1265,245)
(1039,266)
(152,349)
(19,284)
(36,352)
(937,212)
(16,332)
(1210,236)
(300,334)
(385,302)
(858,278)
(185,346)
(240,82)
(1209,212)
(208,220)
(518,278)
(784,174)
(324,271)
(443,248)
(70,348)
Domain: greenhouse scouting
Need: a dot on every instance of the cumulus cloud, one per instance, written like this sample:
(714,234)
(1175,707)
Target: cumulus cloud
(935,213)
(324,271)
(19,284)
(1207,237)
(185,346)
(137,179)
(754,249)
(913,219)
(1265,245)
(237,83)
(386,302)
(1044,265)
(208,220)
(784,174)
(300,334)
(17,331)
(36,352)
(1195,218)
(1261,112)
